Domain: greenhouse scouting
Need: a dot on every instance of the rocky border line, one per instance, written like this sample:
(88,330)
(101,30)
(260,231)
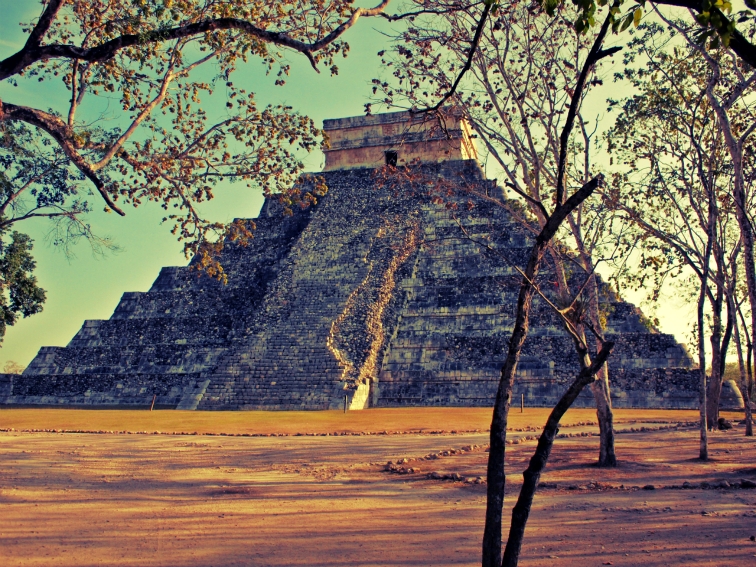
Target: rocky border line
(743,483)
(212,434)
(397,467)
(669,425)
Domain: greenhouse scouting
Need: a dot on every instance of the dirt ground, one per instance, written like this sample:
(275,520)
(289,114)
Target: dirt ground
(276,489)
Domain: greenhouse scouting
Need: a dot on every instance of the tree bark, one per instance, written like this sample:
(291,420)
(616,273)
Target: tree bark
(532,474)
(601,393)
(743,377)
(703,452)
(714,387)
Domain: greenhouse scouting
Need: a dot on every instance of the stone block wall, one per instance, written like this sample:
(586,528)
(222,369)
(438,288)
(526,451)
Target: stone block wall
(160,342)
(320,330)
(362,141)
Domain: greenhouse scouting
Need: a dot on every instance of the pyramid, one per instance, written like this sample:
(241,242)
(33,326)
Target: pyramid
(374,297)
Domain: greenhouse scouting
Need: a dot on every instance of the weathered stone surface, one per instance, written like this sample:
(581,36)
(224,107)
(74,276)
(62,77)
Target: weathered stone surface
(362,141)
(374,297)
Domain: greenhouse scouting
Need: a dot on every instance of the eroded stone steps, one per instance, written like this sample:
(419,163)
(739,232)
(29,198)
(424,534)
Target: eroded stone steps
(155,330)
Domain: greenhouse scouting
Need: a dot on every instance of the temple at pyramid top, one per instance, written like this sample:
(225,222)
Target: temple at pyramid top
(396,138)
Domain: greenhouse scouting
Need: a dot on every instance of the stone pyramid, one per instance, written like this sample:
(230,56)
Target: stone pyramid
(373,297)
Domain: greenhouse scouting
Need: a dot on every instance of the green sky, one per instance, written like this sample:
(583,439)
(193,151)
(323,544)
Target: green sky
(88,287)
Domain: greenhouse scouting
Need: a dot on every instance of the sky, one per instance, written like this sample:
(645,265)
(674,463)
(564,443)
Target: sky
(89,287)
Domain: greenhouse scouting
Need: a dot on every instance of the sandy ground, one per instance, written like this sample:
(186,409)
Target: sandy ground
(85,499)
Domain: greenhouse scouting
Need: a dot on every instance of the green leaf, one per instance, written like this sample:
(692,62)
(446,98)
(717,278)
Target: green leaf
(626,22)
(637,16)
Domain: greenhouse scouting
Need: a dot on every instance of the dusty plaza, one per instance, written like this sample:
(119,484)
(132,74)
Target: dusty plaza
(174,488)
(483,293)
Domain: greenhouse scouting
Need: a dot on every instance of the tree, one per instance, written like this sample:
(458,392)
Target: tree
(37,181)
(713,26)
(152,60)
(514,95)
(19,293)
(13,367)
(726,94)
(565,202)
(713,18)
(676,185)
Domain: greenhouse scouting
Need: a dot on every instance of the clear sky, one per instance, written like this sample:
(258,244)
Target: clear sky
(88,287)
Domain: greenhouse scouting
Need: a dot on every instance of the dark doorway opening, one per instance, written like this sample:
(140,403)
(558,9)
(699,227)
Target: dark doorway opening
(391,158)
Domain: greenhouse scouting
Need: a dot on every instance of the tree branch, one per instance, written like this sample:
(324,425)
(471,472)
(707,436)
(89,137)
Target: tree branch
(535,202)
(561,212)
(169,76)
(594,55)
(36,215)
(31,54)
(60,132)
(43,25)
(454,8)
(468,63)
(738,42)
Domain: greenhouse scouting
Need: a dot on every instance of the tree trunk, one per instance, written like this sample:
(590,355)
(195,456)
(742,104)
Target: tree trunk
(713,394)
(749,366)
(719,352)
(714,388)
(498,436)
(744,391)
(703,452)
(746,231)
(495,473)
(749,369)
(532,474)
(747,404)
(600,388)
(743,376)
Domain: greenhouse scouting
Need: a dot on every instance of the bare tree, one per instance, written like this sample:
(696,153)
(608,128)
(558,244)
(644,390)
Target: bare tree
(565,202)
(674,188)
(517,85)
(737,121)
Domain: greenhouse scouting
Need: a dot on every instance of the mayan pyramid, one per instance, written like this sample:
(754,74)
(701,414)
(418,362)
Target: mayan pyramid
(374,297)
